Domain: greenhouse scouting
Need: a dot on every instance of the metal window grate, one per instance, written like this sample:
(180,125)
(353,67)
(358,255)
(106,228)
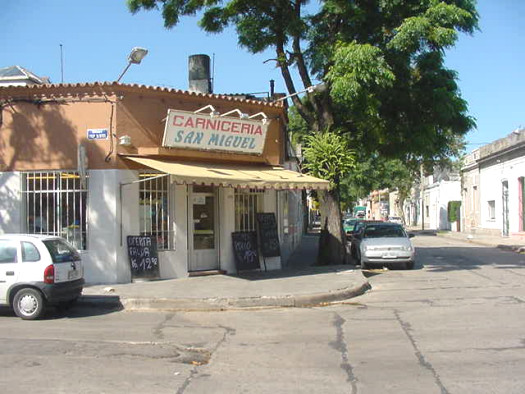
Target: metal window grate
(247,204)
(154,209)
(55,203)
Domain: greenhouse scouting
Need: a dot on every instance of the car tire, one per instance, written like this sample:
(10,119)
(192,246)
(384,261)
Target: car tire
(410,265)
(28,304)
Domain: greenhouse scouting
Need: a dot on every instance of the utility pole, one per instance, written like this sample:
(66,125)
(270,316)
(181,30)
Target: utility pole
(421,191)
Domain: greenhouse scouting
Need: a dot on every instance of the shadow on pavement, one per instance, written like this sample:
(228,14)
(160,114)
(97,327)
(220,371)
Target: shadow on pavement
(87,306)
(467,258)
(294,272)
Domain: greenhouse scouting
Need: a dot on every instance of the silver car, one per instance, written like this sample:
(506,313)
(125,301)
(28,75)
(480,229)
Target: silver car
(383,244)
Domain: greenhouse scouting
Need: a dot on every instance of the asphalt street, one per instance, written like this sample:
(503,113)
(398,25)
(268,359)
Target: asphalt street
(454,324)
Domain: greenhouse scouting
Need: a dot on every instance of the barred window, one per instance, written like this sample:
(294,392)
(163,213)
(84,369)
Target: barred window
(154,209)
(55,203)
(247,203)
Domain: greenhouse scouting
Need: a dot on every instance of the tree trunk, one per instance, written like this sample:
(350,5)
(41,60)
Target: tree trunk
(332,242)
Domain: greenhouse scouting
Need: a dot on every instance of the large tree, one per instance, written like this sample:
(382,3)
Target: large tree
(389,92)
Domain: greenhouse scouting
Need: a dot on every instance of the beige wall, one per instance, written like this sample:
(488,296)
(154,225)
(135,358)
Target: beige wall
(42,126)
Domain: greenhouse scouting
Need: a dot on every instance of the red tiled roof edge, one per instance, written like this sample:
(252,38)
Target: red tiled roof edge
(42,88)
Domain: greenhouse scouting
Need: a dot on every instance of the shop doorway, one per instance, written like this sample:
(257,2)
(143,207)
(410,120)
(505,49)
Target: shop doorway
(203,228)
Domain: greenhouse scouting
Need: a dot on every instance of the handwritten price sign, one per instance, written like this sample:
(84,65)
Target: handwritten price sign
(143,257)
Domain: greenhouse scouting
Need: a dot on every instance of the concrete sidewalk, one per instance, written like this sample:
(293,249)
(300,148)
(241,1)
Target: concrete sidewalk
(512,243)
(299,284)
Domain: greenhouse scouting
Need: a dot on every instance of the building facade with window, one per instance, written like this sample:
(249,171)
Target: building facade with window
(439,189)
(493,188)
(96,163)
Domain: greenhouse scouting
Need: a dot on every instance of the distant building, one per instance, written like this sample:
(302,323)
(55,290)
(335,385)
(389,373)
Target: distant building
(19,76)
(493,187)
(439,189)
(431,211)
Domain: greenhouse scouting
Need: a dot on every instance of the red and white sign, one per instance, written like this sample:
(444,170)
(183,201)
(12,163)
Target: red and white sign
(202,131)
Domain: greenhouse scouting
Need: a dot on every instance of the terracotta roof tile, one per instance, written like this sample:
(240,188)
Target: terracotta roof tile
(40,89)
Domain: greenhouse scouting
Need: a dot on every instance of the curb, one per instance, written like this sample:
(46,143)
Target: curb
(222,304)
(509,248)
(101,301)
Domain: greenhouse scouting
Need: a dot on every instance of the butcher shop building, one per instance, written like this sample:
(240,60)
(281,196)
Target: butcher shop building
(105,164)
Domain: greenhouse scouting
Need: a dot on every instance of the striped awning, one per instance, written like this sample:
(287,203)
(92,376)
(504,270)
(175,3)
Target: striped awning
(233,175)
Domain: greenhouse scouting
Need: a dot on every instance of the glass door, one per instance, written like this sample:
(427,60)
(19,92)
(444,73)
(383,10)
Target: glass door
(203,226)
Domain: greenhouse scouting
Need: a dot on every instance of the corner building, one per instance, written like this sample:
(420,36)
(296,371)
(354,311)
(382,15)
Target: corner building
(98,162)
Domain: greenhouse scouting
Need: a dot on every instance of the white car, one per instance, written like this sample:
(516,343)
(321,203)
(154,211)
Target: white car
(36,271)
(383,243)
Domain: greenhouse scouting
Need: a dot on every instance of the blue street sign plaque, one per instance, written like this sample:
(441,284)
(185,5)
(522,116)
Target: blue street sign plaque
(97,134)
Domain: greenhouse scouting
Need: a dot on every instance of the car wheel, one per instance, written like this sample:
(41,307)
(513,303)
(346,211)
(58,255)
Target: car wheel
(28,304)
(410,265)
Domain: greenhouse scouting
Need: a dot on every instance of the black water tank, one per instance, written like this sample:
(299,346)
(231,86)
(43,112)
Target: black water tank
(199,74)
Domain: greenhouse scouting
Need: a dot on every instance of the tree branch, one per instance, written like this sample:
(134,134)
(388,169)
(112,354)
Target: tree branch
(287,77)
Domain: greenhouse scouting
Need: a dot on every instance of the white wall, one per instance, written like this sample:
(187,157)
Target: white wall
(10,202)
(174,264)
(437,198)
(491,179)
(227,226)
(105,260)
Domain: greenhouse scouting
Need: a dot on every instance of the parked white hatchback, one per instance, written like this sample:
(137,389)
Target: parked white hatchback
(37,271)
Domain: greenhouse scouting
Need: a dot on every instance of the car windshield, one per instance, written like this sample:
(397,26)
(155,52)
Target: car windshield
(350,223)
(384,232)
(61,251)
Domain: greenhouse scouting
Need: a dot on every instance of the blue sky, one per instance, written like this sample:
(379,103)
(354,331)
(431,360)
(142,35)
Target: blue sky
(97,35)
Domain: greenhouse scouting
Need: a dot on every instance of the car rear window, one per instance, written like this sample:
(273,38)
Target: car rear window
(384,232)
(61,251)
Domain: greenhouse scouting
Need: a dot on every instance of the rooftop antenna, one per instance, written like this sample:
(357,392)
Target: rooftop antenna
(61,64)
(213,73)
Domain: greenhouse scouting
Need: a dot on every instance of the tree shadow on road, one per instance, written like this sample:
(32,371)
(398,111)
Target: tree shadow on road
(445,259)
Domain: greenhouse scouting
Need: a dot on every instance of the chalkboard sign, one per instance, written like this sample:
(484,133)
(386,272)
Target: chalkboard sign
(245,250)
(268,235)
(143,257)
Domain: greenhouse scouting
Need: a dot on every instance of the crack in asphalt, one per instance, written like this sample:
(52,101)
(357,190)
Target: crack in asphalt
(421,358)
(158,329)
(228,331)
(340,345)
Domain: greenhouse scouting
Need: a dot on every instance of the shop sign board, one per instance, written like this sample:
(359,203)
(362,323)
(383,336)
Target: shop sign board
(268,235)
(245,250)
(202,131)
(143,257)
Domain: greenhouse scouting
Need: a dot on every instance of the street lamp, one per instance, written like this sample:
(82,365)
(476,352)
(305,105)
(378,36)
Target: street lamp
(320,87)
(135,57)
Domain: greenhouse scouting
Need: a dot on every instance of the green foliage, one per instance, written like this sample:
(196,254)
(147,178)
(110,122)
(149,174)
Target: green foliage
(357,70)
(453,210)
(375,173)
(327,156)
(390,96)
(389,91)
